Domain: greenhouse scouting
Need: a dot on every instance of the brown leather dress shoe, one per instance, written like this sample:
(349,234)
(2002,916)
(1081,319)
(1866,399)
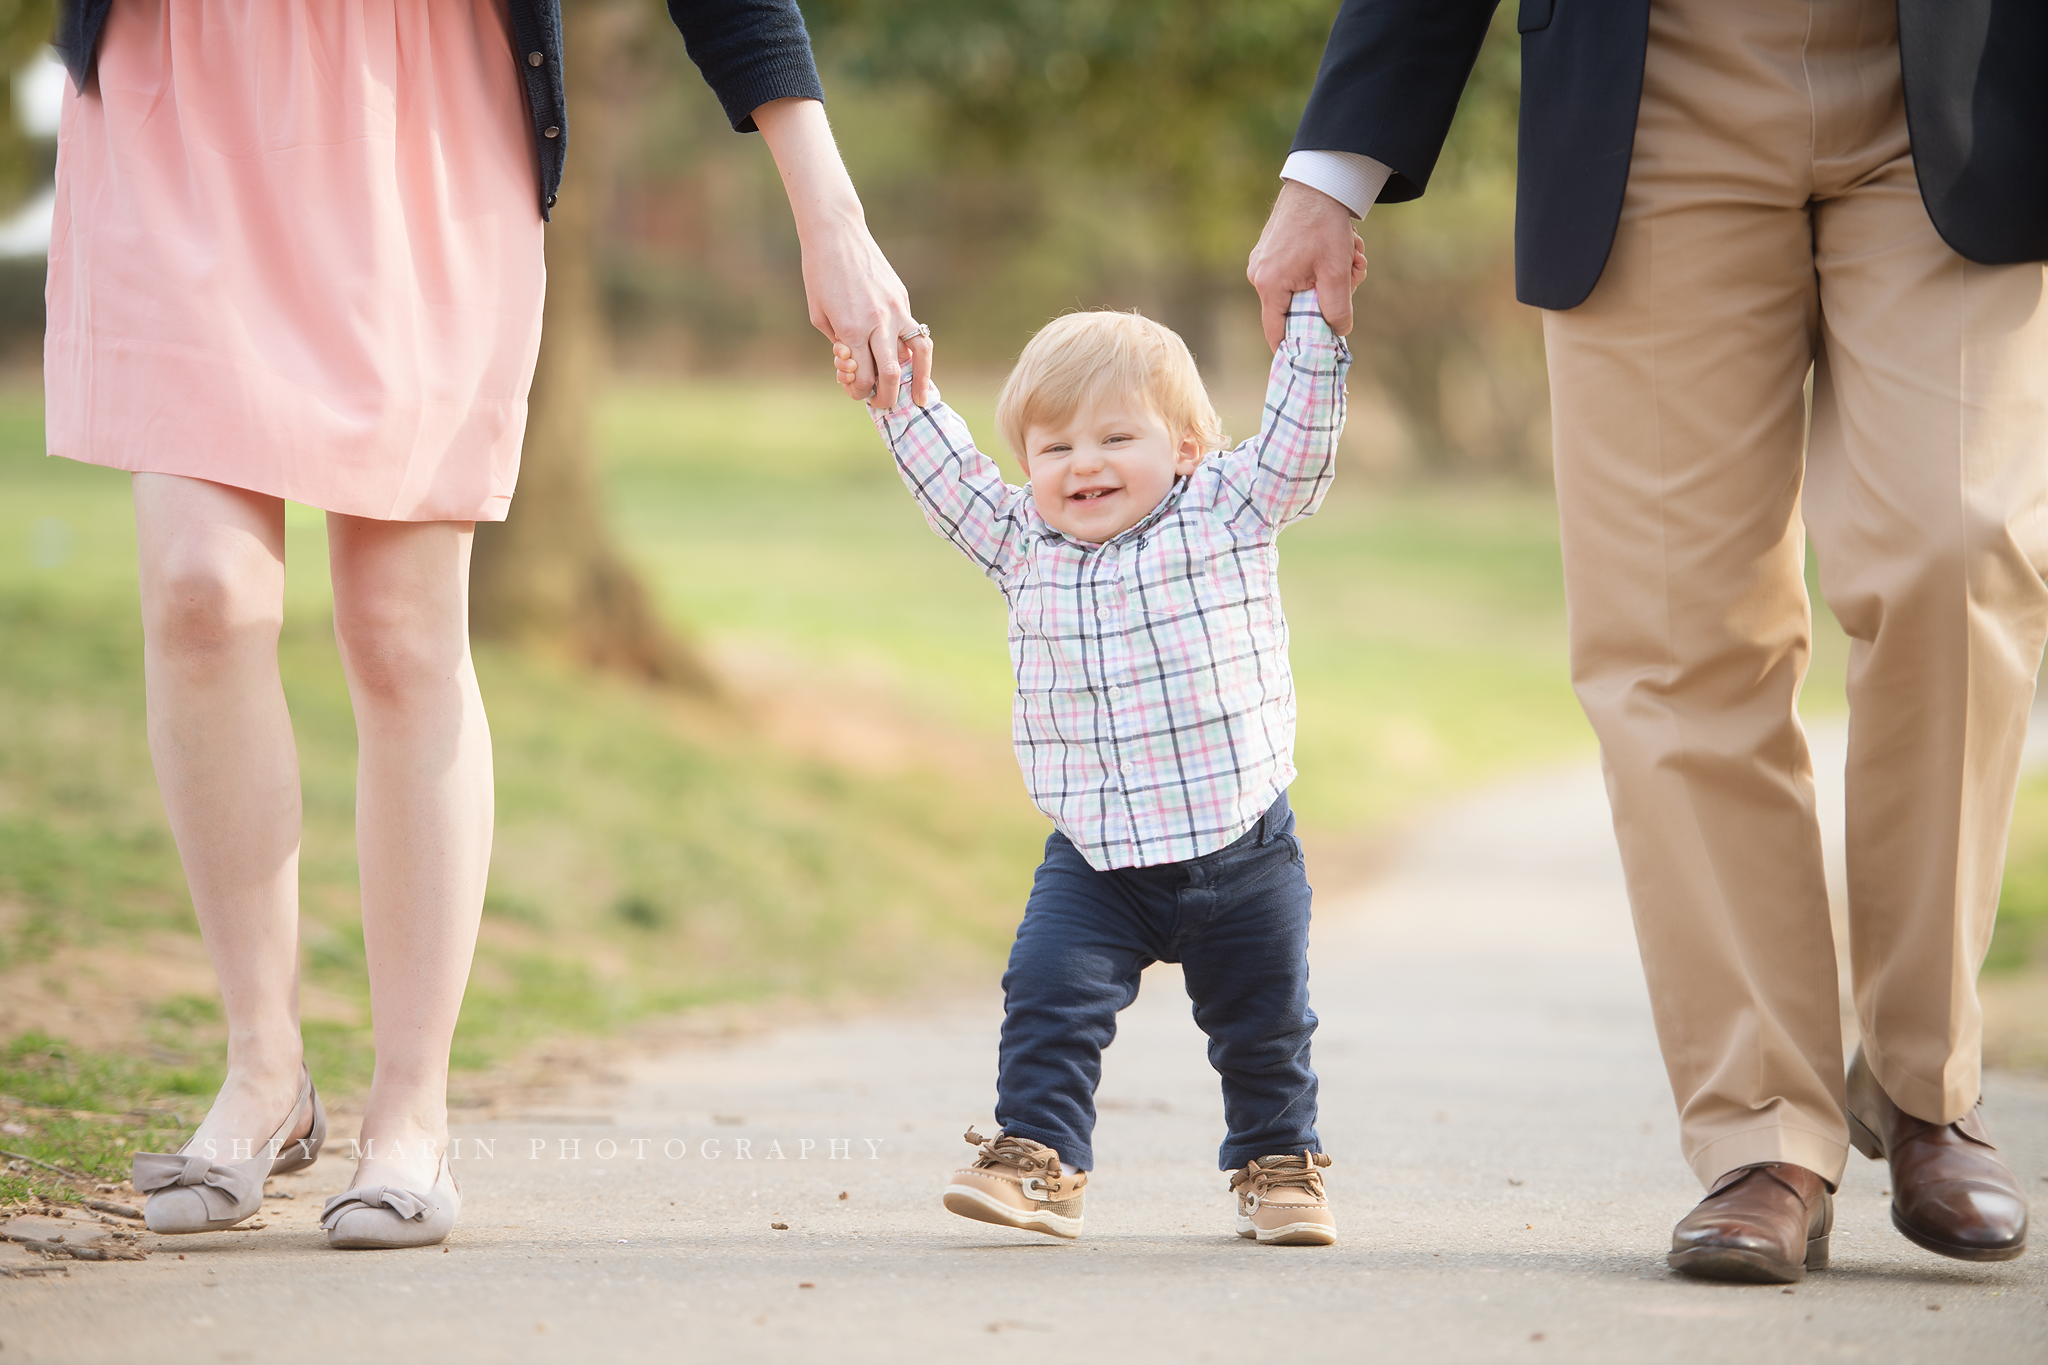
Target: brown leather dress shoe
(1763,1224)
(1950,1191)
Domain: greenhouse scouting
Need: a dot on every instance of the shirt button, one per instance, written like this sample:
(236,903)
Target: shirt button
(1102,613)
(1115,692)
(534,59)
(551,132)
(1124,768)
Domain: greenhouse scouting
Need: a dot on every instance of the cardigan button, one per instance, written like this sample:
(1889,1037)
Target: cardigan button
(551,201)
(534,59)
(551,132)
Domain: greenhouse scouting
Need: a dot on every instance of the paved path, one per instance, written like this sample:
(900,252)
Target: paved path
(1506,1177)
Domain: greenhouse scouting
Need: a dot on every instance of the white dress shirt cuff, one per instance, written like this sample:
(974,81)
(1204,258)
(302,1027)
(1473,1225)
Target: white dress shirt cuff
(1352,180)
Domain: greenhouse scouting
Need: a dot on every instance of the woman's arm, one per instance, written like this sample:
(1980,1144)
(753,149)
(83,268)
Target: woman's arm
(854,295)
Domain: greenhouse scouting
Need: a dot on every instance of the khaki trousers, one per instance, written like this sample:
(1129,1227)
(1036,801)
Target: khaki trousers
(1772,225)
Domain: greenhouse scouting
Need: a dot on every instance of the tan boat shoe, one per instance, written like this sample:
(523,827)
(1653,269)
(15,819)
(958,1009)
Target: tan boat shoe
(1280,1201)
(1018,1183)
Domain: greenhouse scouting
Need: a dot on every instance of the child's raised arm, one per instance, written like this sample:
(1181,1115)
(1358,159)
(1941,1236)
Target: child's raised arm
(960,490)
(1281,474)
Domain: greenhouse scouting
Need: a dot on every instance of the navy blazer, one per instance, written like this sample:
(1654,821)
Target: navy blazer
(750,51)
(1976,81)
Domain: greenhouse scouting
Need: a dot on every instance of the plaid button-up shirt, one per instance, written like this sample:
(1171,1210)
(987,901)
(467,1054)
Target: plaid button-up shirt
(1154,717)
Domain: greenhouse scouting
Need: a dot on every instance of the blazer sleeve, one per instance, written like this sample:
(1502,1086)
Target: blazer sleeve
(1390,81)
(750,51)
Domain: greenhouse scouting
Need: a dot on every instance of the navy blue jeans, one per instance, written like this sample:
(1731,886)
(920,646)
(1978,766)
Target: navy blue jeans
(1237,922)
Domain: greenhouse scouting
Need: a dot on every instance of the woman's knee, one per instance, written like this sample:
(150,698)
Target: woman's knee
(395,649)
(209,597)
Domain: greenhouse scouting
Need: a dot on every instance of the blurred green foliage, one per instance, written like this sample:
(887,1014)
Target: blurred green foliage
(25,27)
(1187,105)
(1022,158)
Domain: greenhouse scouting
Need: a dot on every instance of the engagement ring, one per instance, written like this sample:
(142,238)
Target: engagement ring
(921,330)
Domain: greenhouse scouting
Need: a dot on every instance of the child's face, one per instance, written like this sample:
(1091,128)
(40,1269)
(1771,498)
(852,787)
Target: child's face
(1101,472)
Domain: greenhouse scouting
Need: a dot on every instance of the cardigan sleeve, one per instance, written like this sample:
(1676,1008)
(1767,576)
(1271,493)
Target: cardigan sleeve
(78,34)
(750,51)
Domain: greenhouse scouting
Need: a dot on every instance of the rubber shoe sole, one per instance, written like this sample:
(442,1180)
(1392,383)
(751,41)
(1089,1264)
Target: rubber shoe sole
(972,1203)
(1955,1251)
(1288,1235)
(1746,1267)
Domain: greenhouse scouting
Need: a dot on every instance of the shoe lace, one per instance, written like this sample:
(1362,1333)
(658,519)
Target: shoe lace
(1018,1153)
(1302,1172)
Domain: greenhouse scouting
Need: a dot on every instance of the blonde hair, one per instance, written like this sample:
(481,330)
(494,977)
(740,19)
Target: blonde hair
(1079,359)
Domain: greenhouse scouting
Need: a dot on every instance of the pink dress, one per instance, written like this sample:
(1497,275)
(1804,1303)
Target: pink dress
(297,249)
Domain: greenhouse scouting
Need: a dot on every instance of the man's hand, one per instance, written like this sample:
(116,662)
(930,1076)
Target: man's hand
(1308,244)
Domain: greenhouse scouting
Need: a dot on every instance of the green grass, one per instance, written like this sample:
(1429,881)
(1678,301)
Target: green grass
(2020,938)
(655,853)
(87,1112)
(652,853)
(1428,623)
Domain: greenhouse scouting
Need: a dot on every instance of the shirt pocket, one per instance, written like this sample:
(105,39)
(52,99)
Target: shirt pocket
(1172,581)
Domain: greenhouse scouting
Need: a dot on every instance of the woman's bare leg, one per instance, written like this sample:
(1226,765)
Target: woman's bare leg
(423,816)
(212,572)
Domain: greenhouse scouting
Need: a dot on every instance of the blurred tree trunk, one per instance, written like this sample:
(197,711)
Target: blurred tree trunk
(548,576)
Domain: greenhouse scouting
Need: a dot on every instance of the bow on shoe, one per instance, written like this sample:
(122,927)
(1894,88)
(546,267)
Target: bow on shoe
(223,1189)
(404,1203)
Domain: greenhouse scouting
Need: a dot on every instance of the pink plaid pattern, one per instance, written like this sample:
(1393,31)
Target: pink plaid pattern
(1154,717)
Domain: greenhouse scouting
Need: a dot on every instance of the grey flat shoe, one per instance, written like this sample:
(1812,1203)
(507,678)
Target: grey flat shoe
(190,1193)
(382,1218)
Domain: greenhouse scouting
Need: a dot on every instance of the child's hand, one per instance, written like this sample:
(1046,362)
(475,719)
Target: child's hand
(847,372)
(1357,262)
(847,369)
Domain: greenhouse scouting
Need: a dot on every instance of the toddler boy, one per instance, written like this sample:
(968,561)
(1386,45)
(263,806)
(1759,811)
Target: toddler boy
(1154,720)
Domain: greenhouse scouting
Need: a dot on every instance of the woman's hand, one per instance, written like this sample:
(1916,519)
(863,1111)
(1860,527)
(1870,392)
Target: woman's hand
(855,297)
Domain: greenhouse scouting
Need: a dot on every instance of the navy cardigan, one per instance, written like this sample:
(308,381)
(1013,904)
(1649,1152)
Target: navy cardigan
(1976,77)
(750,51)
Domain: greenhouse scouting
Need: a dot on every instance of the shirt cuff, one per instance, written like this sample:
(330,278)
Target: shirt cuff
(1352,180)
(1305,320)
